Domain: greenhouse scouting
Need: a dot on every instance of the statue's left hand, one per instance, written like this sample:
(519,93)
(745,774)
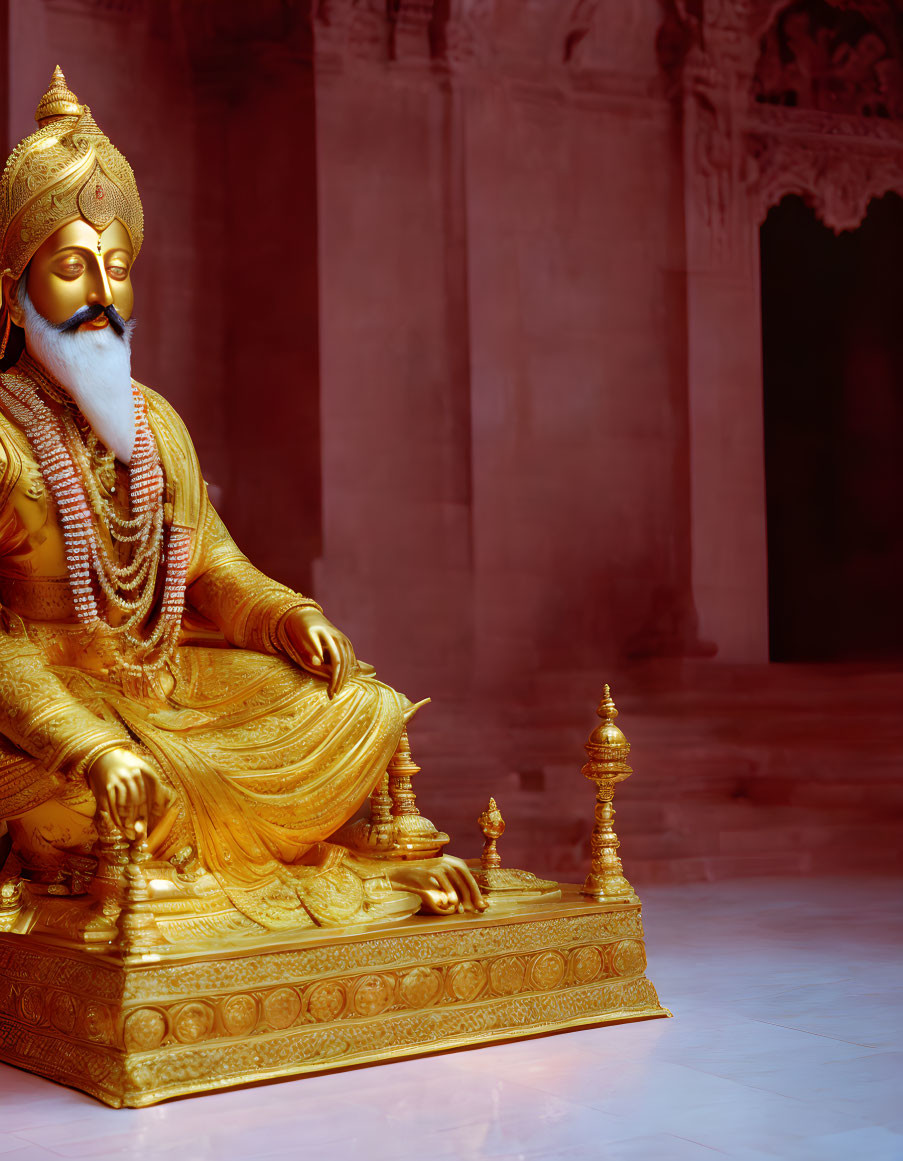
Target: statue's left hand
(321,647)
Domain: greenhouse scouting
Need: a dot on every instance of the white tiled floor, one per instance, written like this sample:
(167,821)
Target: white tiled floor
(786,1044)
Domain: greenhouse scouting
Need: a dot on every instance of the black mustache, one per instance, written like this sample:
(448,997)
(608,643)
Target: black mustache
(89,314)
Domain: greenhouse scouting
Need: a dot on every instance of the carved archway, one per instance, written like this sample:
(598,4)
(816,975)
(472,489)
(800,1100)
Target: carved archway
(826,123)
(836,138)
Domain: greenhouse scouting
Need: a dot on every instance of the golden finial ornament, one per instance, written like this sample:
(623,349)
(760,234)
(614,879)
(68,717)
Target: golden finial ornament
(607,751)
(492,825)
(505,885)
(10,898)
(58,101)
(137,924)
(396,829)
(415,836)
(380,833)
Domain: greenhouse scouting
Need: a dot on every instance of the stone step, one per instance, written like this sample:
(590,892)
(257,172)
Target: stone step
(739,770)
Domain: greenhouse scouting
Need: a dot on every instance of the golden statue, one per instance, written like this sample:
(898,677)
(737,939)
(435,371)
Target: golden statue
(152,681)
(188,899)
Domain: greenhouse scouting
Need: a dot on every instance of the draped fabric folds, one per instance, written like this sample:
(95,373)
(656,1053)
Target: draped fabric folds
(264,765)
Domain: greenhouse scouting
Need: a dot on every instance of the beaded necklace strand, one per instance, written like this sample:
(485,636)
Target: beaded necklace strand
(64,455)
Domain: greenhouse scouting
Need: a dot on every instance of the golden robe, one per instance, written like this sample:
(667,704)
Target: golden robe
(264,764)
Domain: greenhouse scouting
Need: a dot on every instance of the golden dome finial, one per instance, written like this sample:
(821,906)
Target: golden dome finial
(607,710)
(607,733)
(58,101)
(607,751)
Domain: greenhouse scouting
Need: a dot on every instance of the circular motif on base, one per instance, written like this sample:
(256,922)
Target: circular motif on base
(629,958)
(547,970)
(97,1024)
(144,1029)
(326,1001)
(32,1004)
(421,986)
(466,980)
(586,963)
(282,1007)
(193,1022)
(7,996)
(372,995)
(507,975)
(62,1012)
(240,1015)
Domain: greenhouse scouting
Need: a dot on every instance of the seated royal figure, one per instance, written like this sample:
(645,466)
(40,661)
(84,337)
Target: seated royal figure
(152,680)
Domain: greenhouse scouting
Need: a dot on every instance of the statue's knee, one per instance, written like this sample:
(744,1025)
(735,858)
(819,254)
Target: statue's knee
(52,829)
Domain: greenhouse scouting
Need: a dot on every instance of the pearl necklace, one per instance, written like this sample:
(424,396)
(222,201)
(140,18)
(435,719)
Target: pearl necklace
(63,458)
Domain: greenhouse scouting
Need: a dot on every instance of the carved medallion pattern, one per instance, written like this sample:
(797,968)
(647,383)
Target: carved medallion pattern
(421,987)
(372,995)
(144,1029)
(586,963)
(9,991)
(33,1004)
(439,1027)
(192,1022)
(507,975)
(240,1015)
(466,980)
(326,1001)
(282,1007)
(62,1012)
(97,1023)
(547,970)
(629,958)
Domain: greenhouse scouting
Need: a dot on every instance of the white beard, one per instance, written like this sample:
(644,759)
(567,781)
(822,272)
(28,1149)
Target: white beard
(95,367)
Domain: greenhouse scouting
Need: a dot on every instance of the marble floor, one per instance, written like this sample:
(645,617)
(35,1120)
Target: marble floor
(786,1044)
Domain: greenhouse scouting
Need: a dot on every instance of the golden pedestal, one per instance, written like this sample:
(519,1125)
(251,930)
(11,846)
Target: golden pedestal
(142,1028)
(134,1019)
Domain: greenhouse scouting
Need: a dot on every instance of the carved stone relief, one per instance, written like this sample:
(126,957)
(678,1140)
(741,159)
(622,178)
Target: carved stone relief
(818,55)
(800,97)
(550,44)
(839,183)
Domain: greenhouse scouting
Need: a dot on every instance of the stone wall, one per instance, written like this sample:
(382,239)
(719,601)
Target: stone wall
(460,300)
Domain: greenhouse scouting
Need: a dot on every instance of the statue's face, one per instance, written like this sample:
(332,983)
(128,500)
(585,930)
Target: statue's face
(78,266)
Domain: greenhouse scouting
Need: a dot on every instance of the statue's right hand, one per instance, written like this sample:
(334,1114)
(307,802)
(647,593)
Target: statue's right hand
(126,787)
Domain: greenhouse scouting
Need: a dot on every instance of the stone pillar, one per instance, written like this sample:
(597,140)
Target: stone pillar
(579,437)
(396,562)
(724,359)
(257,213)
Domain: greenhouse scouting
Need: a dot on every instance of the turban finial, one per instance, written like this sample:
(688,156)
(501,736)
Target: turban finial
(58,101)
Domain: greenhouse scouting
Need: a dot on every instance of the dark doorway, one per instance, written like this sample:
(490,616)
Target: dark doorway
(832,337)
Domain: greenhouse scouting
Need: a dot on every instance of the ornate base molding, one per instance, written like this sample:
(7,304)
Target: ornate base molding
(136,1030)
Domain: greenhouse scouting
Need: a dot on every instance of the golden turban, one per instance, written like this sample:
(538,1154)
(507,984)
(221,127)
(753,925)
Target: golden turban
(66,169)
